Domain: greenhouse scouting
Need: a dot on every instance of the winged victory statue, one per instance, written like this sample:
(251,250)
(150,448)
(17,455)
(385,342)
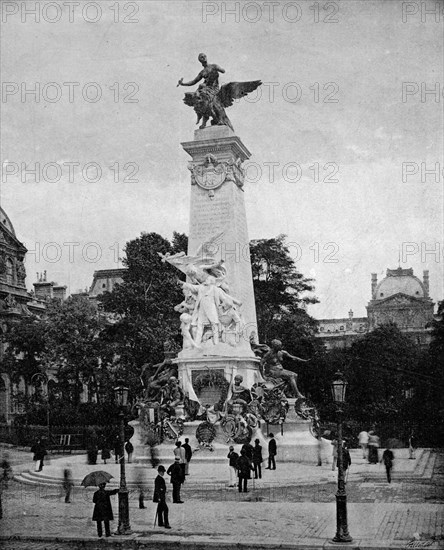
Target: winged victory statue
(210,101)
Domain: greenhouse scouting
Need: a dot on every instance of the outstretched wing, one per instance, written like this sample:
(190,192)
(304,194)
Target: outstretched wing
(235,90)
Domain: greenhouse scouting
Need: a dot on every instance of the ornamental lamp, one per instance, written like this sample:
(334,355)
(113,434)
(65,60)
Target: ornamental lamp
(338,388)
(121,393)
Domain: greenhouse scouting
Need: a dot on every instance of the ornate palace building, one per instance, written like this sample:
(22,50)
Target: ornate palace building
(400,297)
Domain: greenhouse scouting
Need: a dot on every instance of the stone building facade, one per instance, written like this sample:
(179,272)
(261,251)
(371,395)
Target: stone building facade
(400,297)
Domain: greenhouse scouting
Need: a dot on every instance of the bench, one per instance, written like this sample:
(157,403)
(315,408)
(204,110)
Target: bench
(64,443)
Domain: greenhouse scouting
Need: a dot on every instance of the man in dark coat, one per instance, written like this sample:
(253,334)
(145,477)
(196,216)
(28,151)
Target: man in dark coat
(272,451)
(39,450)
(257,459)
(232,463)
(188,455)
(103,510)
(177,478)
(160,497)
(243,471)
(387,458)
(248,448)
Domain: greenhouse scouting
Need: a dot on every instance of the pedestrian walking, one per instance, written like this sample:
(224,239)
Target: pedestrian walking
(129,448)
(92,449)
(140,486)
(5,476)
(67,484)
(188,455)
(118,448)
(272,451)
(257,459)
(177,478)
(154,459)
(160,497)
(39,450)
(106,452)
(363,442)
(243,467)
(387,459)
(412,446)
(373,446)
(232,463)
(334,454)
(346,458)
(103,511)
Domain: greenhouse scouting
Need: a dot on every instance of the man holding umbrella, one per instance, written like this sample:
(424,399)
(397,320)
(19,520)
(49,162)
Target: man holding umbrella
(102,510)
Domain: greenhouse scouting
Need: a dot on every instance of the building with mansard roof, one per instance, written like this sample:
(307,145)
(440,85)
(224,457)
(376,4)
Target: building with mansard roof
(400,297)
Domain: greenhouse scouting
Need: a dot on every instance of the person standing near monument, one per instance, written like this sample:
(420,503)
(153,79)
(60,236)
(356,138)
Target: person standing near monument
(243,471)
(188,454)
(177,478)
(272,452)
(159,496)
(363,442)
(103,510)
(257,459)
(232,463)
(179,452)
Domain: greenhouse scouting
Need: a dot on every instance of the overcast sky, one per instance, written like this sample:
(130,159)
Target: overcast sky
(331,109)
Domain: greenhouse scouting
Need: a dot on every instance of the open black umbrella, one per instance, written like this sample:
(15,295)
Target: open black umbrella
(96,478)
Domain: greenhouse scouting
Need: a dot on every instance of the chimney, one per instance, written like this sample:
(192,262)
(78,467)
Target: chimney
(43,289)
(425,279)
(60,292)
(374,285)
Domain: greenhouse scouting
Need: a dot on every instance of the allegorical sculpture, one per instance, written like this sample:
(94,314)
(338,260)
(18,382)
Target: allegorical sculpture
(210,101)
(209,314)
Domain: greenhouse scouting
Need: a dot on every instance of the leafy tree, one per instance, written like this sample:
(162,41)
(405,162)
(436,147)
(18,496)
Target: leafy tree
(25,343)
(381,368)
(73,345)
(145,302)
(280,290)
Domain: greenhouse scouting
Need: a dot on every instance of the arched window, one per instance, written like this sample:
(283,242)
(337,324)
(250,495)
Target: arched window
(9,272)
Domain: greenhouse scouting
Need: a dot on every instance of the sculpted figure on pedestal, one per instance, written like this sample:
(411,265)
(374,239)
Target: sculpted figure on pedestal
(209,101)
(271,365)
(155,378)
(211,300)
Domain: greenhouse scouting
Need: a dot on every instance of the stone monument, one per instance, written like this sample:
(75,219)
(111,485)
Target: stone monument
(229,394)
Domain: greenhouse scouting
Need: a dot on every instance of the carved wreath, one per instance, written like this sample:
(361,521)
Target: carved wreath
(212,380)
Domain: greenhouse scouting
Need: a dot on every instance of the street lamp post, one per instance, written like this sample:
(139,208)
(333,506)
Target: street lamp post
(124,528)
(339,386)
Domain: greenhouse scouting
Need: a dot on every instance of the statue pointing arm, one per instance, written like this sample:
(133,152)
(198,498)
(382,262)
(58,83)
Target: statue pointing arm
(210,101)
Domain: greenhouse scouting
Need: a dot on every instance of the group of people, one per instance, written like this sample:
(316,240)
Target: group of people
(250,460)
(370,443)
(106,447)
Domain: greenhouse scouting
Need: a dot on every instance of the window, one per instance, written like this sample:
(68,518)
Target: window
(9,272)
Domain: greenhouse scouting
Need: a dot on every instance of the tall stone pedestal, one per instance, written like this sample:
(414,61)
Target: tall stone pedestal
(218,207)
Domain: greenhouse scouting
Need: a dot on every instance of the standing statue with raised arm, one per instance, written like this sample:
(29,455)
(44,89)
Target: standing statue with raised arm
(209,101)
